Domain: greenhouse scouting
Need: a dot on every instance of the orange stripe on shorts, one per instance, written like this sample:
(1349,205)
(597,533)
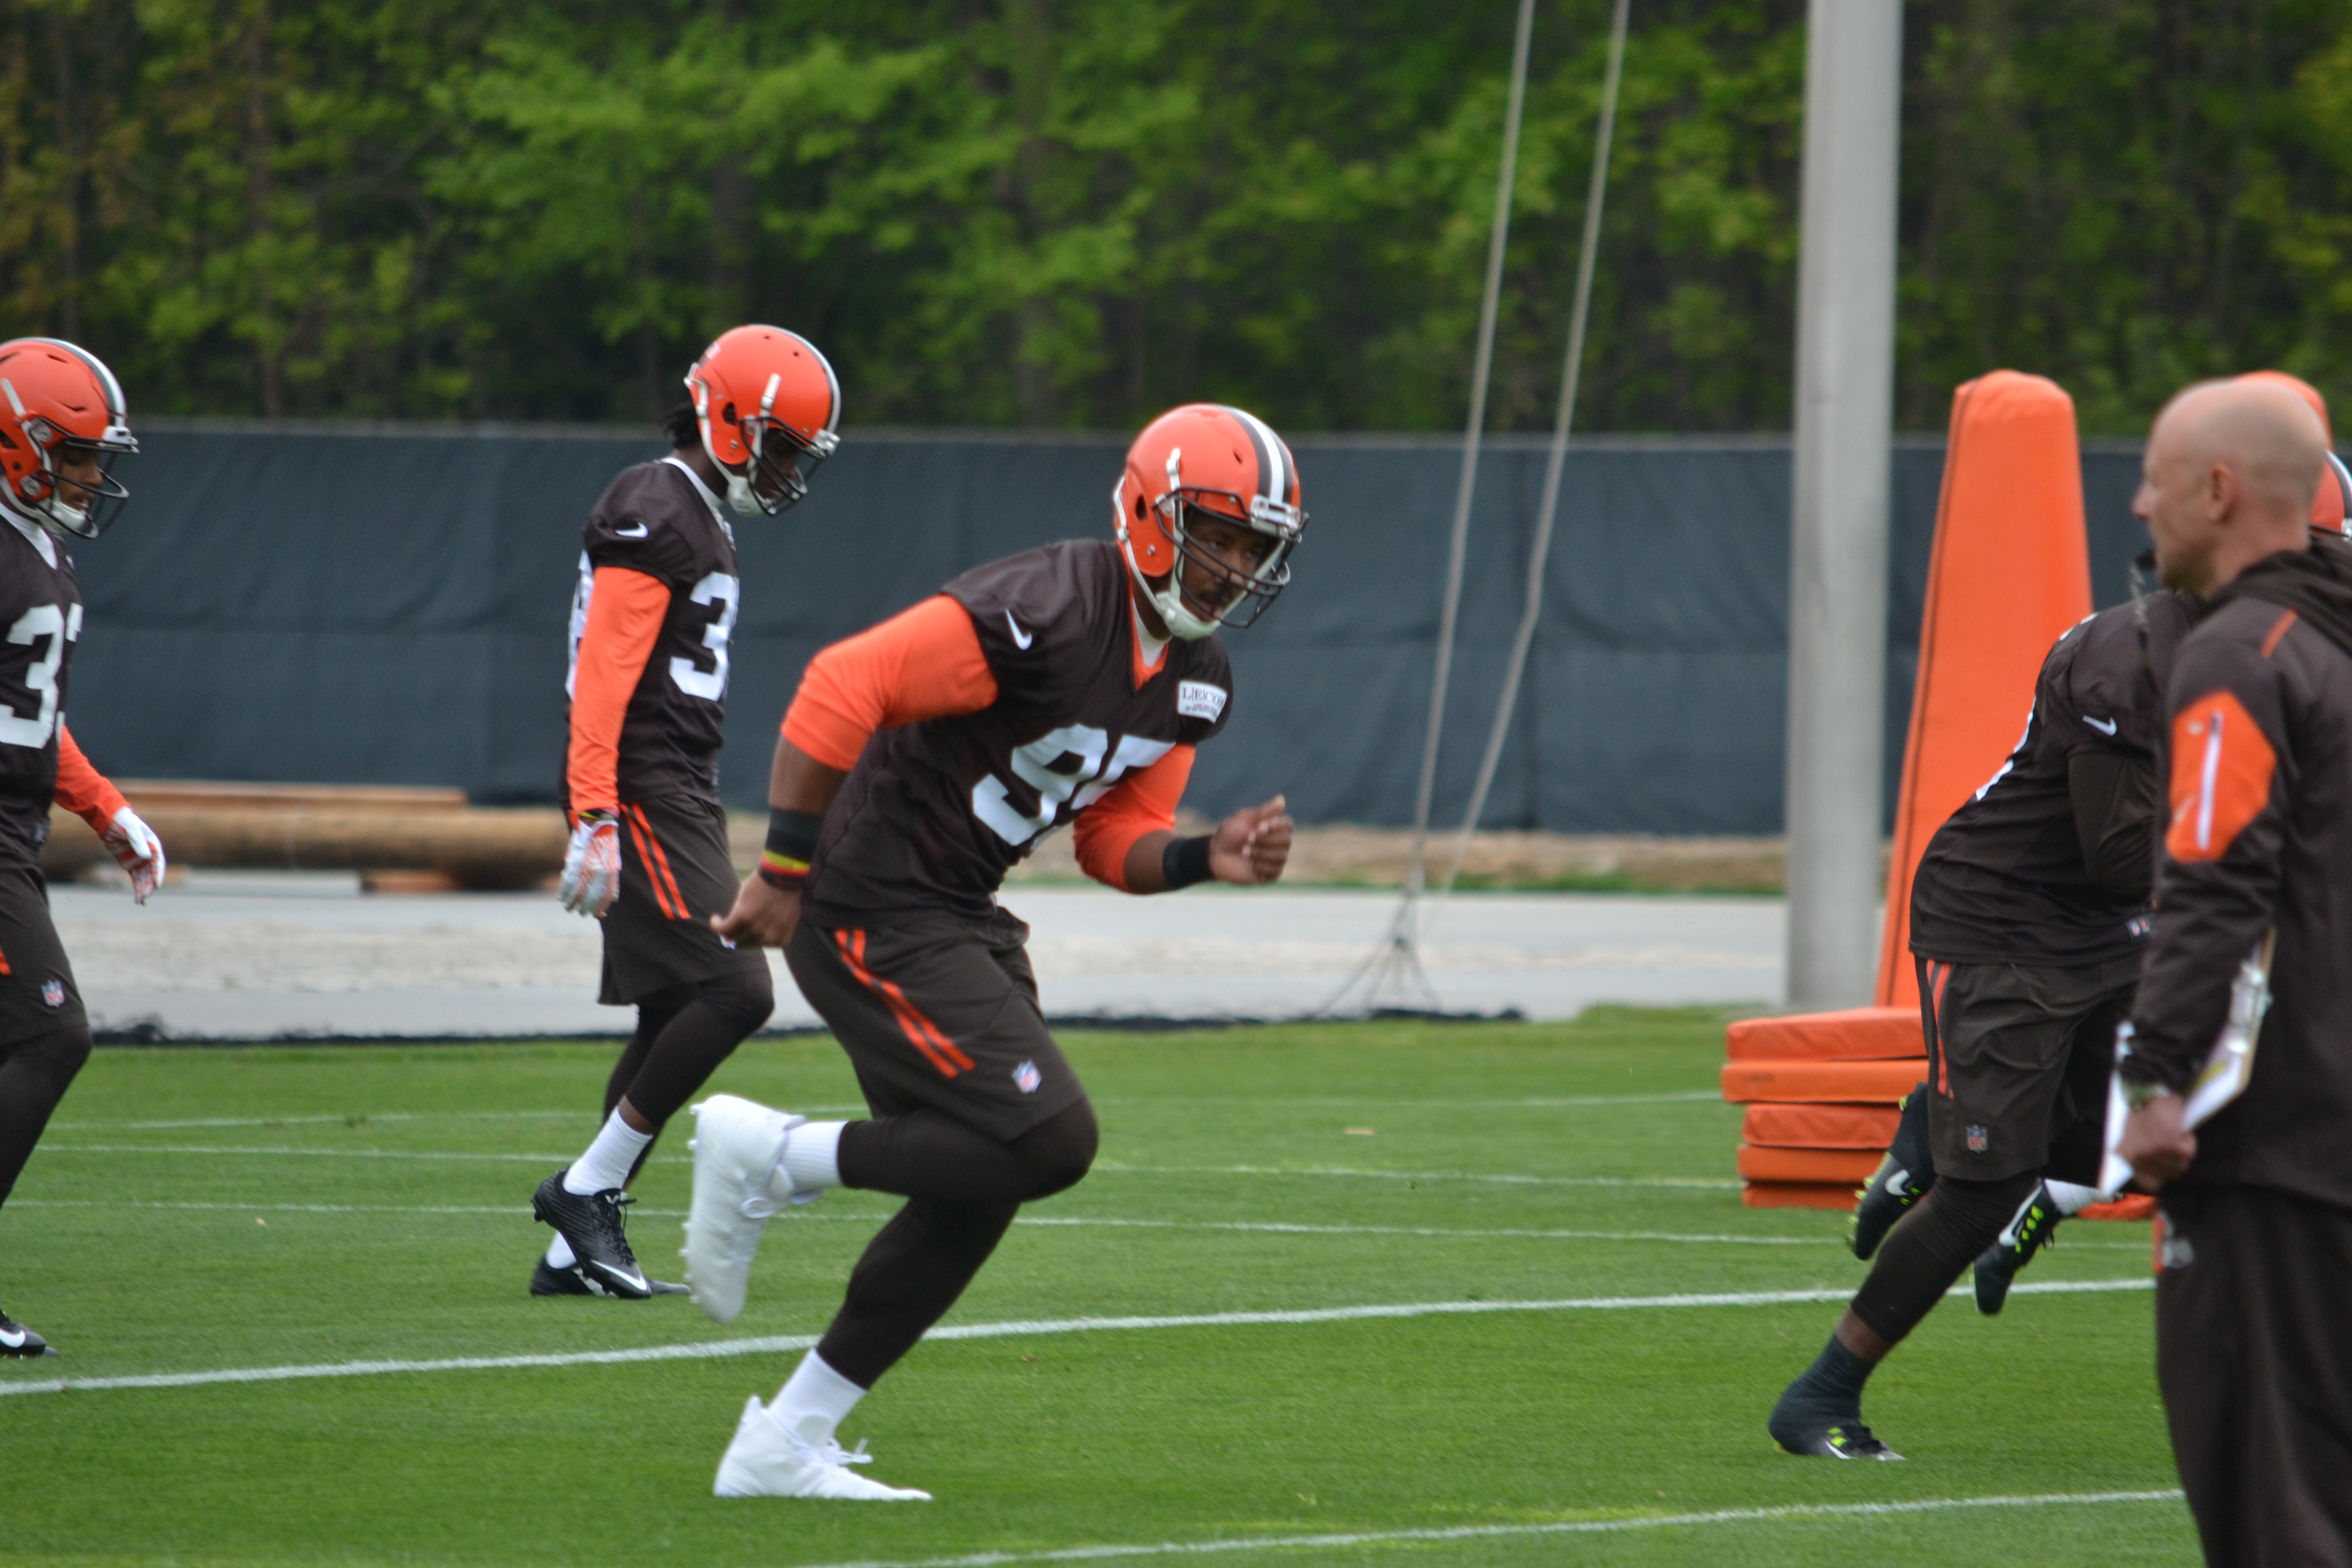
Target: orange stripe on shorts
(925,1035)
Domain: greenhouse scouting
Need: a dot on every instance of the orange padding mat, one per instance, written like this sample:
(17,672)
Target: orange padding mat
(1852,1166)
(1799,1195)
(1883,1082)
(1870,1127)
(1856,1034)
(1760,1195)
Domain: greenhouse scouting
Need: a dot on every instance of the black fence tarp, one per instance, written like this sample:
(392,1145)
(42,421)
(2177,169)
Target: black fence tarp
(357,606)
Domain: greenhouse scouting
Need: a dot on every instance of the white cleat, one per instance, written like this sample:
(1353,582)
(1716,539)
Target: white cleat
(765,1460)
(736,1146)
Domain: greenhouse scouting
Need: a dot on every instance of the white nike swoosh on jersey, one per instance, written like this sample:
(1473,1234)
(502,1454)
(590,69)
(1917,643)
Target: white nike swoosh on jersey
(2105,727)
(636,533)
(1019,638)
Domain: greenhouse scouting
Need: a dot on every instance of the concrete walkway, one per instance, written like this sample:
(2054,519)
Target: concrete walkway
(257,956)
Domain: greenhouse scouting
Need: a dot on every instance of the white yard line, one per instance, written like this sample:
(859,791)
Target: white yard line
(362,1118)
(296,1154)
(1422,1110)
(1507,1532)
(1699,1181)
(709,1350)
(1108,1166)
(1275,1228)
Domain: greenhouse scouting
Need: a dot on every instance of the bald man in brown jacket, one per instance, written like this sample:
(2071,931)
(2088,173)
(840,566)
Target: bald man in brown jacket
(2254,1303)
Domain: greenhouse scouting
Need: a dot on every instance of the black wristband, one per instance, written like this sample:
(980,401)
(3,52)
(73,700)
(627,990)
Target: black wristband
(792,834)
(1184,861)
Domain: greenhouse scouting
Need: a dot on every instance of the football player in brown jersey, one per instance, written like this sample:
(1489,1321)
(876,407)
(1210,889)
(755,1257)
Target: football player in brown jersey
(62,426)
(657,599)
(919,762)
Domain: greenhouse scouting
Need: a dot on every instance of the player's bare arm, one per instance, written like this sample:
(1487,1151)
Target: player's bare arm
(1249,848)
(768,912)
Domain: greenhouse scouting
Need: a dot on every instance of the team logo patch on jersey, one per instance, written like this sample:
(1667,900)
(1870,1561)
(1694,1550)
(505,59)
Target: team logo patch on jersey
(1027,1078)
(53,992)
(1977,1140)
(1199,700)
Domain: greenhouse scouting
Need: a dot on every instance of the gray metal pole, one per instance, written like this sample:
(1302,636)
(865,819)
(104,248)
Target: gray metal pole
(1845,394)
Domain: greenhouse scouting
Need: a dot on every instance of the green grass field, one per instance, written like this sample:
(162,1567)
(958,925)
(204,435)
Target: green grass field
(200,1210)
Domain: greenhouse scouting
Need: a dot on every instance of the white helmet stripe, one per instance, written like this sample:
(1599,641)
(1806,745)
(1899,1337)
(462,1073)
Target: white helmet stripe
(832,381)
(1272,480)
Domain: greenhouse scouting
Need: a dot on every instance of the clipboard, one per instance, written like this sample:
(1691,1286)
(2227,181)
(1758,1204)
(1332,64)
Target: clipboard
(2228,1069)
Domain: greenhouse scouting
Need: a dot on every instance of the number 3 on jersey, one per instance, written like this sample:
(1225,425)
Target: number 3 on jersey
(1075,764)
(721,589)
(60,627)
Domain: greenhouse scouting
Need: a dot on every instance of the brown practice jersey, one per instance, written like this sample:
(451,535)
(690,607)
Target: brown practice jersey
(2049,863)
(936,812)
(658,520)
(40,606)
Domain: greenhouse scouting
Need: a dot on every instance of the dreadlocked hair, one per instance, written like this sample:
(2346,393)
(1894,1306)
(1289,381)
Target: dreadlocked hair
(681,425)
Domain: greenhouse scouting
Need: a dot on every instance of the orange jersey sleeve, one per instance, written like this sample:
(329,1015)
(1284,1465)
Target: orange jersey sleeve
(82,788)
(923,663)
(1138,804)
(624,618)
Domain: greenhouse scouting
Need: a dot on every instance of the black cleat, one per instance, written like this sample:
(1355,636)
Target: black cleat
(1809,1419)
(1902,1179)
(549,1280)
(16,1338)
(590,1222)
(1834,1441)
(2031,1228)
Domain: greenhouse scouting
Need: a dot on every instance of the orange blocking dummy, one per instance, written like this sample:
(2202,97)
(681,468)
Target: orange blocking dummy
(2009,572)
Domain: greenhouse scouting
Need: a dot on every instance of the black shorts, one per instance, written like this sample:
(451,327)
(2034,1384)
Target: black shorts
(939,1013)
(676,873)
(38,993)
(2018,1057)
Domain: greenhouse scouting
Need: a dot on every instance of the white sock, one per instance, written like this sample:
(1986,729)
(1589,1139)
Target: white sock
(809,1164)
(560,1253)
(815,1401)
(2070,1198)
(606,1163)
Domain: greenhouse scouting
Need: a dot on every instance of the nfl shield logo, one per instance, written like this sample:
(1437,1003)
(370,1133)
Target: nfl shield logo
(1977,1139)
(1028,1077)
(53,992)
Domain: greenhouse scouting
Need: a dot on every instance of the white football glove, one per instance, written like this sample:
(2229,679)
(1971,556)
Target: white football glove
(134,844)
(591,864)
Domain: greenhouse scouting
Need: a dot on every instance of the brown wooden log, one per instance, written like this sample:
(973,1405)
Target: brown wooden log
(479,848)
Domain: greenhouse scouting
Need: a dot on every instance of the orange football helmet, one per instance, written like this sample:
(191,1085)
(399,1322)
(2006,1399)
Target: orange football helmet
(768,404)
(59,397)
(1216,461)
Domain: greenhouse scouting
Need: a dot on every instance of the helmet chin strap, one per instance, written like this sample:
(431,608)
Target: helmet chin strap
(1181,622)
(739,494)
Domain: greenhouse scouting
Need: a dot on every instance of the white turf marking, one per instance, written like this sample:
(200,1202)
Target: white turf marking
(586,1117)
(511,1211)
(713,1349)
(1103,1165)
(1421,1108)
(1506,1532)
(1442,1234)
(298,1153)
(1275,1227)
(1415,1175)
